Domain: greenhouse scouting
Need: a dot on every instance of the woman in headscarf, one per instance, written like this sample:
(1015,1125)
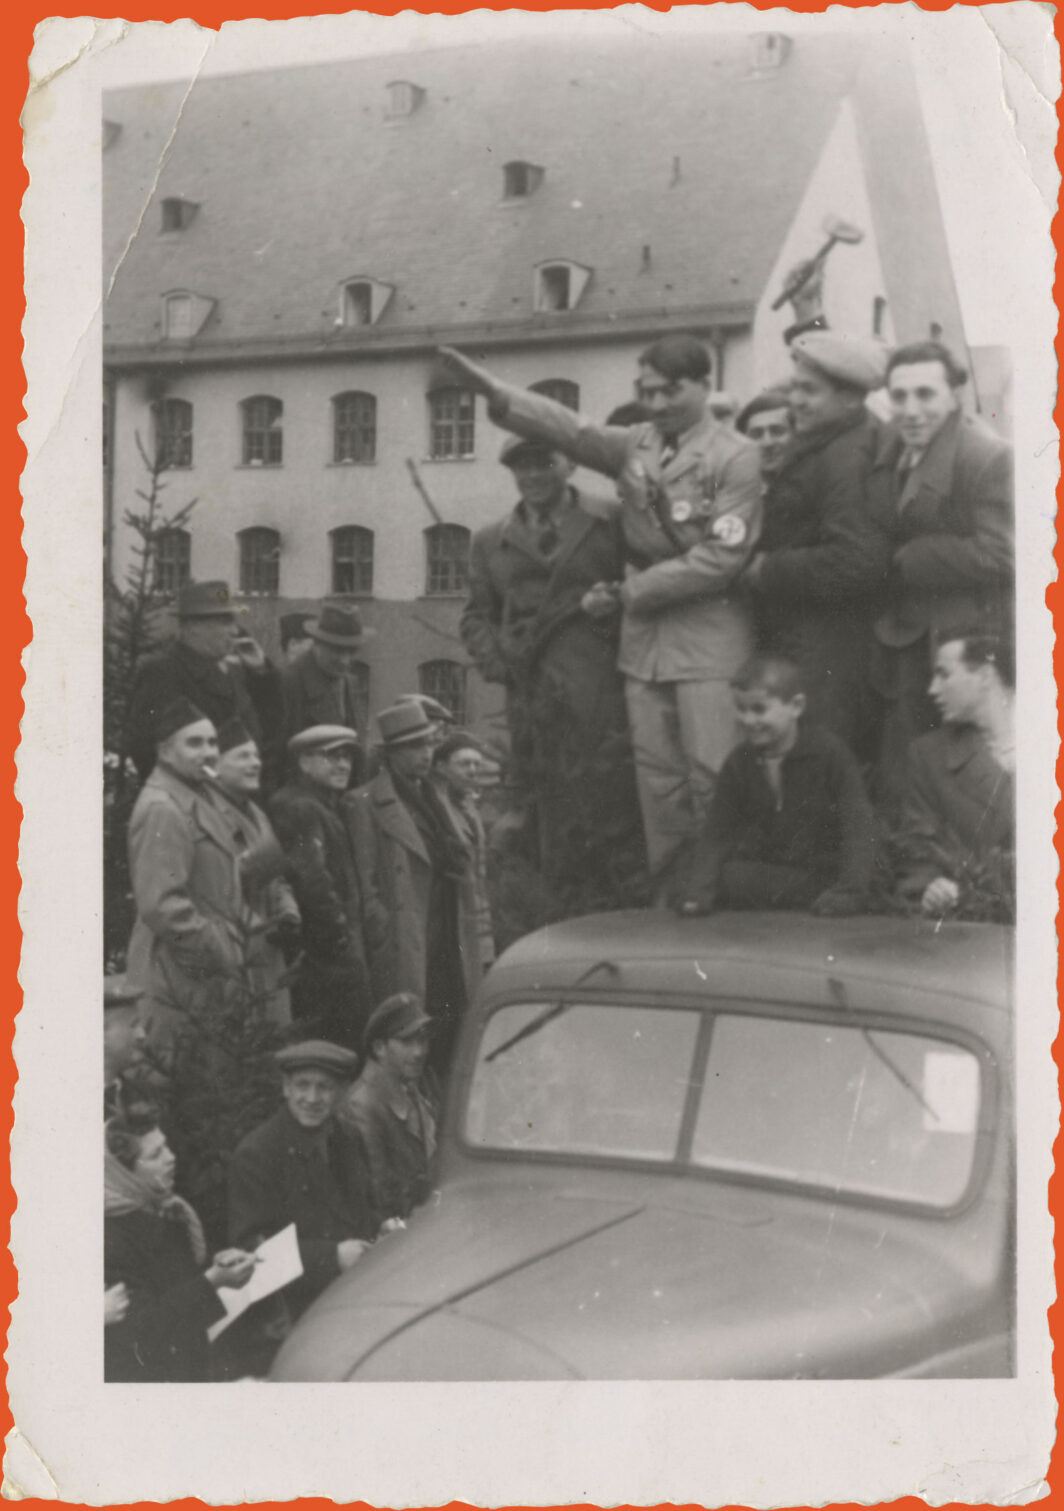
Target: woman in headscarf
(155,1247)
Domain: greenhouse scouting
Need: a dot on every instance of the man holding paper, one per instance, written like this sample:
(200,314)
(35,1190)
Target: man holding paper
(302,1166)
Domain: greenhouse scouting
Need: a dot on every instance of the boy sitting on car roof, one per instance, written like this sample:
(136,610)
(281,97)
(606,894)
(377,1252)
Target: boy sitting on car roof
(790,825)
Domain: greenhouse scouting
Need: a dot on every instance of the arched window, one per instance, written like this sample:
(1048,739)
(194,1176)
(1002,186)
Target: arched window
(452,430)
(262,432)
(446,682)
(559,389)
(171,559)
(446,559)
(354,427)
(352,560)
(260,560)
(173,433)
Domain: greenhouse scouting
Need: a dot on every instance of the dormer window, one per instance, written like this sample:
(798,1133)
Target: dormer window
(403,98)
(559,285)
(178,324)
(364,300)
(184,314)
(177,214)
(520,180)
(770,49)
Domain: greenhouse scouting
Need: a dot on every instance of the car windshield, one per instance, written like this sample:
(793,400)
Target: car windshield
(878,1113)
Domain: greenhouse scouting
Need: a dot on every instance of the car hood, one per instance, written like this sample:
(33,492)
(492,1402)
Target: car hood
(548,1284)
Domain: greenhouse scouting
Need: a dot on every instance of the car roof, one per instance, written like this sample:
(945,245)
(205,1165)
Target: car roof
(753,954)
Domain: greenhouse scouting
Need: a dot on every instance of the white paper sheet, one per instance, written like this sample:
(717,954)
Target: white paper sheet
(279,1264)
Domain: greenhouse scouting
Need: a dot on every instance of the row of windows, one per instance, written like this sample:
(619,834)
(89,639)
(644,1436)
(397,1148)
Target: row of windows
(452,413)
(351,550)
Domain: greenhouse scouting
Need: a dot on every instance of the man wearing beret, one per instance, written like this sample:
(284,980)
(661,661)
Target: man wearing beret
(331,989)
(422,930)
(271,915)
(319,687)
(303,1166)
(820,575)
(951,523)
(222,672)
(394,1107)
(525,626)
(187,942)
(690,495)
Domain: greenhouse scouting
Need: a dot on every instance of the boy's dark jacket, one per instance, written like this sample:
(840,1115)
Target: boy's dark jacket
(824,823)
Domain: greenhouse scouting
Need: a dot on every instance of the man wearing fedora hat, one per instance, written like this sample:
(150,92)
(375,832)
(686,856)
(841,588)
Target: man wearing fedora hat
(331,988)
(820,573)
(303,1166)
(187,942)
(220,670)
(319,687)
(421,932)
(393,1105)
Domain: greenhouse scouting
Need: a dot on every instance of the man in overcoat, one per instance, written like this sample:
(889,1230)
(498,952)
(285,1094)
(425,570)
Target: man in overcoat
(421,936)
(690,493)
(318,686)
(187,944)
(271,911)
(950,516)
(222,672)
(303,1166)
(525,625)
(331,989)
(820,575)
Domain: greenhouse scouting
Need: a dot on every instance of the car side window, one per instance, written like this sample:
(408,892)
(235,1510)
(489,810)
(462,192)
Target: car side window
(867,1111)
(582,1079)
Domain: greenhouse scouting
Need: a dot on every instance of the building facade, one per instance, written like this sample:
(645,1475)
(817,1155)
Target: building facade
(285,251)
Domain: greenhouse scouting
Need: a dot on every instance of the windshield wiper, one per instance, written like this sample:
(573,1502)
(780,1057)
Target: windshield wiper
(554,1011)
(838,991)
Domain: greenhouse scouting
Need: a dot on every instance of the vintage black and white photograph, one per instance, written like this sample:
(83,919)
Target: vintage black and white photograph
(557,663)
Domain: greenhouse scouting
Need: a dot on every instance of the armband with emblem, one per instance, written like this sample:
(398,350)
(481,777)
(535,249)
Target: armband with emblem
(730,530)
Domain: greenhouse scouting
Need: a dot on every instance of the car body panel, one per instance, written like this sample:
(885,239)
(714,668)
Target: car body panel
(555,1268)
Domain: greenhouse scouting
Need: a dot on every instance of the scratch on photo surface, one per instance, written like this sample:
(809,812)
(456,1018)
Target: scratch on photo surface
(26,1476)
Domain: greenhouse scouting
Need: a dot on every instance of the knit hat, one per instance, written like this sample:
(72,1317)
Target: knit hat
(232,733)
(176,715)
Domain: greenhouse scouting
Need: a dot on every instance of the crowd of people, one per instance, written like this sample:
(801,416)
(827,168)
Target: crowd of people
(770,668)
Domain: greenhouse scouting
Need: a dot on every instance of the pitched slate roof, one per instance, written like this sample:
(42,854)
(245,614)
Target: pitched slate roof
(303,183)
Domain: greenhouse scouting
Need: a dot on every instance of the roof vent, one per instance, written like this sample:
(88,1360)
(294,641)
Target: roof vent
(768,50)
(558,286)
(520,179)
(403,98)
(363,301)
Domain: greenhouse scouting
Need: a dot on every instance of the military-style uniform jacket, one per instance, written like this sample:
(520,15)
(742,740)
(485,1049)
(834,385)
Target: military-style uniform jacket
(282,1173)
(951,521)
(399,1150)
(222,692)
(690,526)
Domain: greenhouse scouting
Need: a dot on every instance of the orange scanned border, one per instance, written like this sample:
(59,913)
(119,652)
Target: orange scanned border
(21,18)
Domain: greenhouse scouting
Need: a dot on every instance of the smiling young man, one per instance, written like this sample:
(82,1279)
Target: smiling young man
(303,1166)
(951,521)
(690,494)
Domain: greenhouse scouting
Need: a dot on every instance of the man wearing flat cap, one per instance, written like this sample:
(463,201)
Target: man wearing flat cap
(421,934)
(123,1040)
(394,1105)
(527,626)
(303,1166)
(690,516)
(331,988)
(271,916)
(319,686)
(187,942)
(220,670)
(820,574)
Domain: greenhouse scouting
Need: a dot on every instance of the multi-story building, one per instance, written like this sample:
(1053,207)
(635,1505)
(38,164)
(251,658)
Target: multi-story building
(284,252)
